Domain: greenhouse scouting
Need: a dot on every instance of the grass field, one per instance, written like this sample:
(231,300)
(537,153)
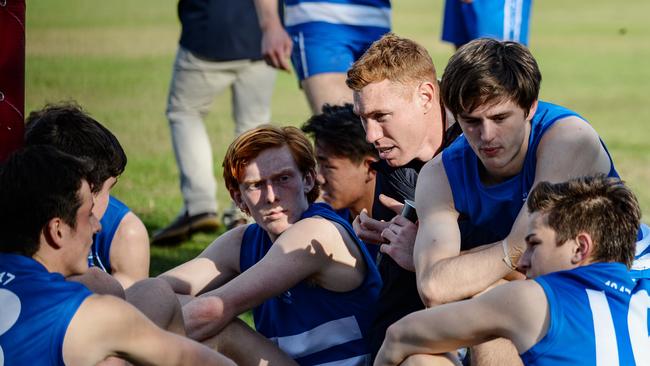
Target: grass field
(115,58)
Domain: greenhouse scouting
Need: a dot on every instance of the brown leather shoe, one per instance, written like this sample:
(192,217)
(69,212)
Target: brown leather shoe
(184,226)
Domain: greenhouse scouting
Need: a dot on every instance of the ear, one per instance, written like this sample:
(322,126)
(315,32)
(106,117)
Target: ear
(532,110)
(371,173)
(55,232)
(309,180)
(236,196)
(427,96)
(583,249)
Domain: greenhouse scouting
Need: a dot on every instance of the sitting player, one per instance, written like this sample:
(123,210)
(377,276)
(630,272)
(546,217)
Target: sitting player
(309,279)
(121,248)
(46,229)
(583,306)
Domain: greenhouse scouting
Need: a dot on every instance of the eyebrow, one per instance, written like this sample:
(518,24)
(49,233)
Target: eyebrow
(281,172)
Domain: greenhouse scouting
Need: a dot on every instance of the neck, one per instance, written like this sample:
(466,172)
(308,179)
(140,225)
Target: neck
(433,143)
(365,201)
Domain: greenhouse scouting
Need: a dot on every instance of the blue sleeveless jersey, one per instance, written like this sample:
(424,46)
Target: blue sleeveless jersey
(487,213)
(311,324)
(341,19)
(598,316)
(100,251)
(36,307)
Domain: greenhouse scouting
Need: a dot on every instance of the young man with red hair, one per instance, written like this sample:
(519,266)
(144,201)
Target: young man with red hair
(309,279)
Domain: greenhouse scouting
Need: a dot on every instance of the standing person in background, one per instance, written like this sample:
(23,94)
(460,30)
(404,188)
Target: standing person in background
(504,20)
(219,48)
(323,39)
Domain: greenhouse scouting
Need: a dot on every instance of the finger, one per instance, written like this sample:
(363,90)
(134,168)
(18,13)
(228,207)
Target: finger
(389,235)
(393,204)
(370,237)
(371,224)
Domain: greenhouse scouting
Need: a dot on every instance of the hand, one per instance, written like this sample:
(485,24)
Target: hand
(276,48)
(368,229)
(201,317)
(400,235)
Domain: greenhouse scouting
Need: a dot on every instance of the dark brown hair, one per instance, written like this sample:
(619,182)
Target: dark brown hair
(603,207)
(490,71)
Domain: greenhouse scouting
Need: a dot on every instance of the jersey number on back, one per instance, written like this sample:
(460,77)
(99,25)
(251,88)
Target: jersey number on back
(605,334)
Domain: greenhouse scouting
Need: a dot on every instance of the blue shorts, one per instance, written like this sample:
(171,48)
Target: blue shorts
(321,47)
(506,20)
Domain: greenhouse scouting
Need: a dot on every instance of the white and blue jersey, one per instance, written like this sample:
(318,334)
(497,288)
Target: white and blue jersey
(100,251)
(313,325)
(329,35)
(505,20)
(598,316)
(36,307)
(487,213)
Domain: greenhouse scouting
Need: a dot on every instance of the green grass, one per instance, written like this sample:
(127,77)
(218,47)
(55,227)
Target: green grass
(115,59)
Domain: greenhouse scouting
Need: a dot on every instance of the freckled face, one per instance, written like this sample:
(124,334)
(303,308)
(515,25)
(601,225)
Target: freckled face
(274,191)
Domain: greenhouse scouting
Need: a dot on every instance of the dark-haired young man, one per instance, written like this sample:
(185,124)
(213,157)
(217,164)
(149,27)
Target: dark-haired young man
(121,247)
(473,194)
(583,306)
(308,277)
(345,159)
(47,224)
(345,162)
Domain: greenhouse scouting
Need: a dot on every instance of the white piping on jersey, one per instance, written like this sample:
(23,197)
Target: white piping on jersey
(303,56)
(348,14)
(512,17)
(324,336)
(352,361)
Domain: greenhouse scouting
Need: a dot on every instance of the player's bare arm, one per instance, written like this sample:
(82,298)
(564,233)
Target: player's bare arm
(441,272)
(106,326)
(312,249)
(215,266)
(517,310)
(130,251)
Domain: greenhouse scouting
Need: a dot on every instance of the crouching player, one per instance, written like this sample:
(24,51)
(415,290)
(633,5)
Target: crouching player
(582,306)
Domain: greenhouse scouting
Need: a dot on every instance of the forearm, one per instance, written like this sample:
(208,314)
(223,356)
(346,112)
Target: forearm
(267,13)
(417,333)
(460,277)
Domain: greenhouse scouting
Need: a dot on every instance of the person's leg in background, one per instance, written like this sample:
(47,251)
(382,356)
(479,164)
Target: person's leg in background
(252,92)
(194,85)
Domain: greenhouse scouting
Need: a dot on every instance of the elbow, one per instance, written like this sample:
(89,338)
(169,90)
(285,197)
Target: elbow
(430,293)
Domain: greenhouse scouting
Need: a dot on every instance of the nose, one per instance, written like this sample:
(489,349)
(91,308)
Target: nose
(320,178)
(524,261)
(373,131)
(97,226)
(271,194)
(487,131)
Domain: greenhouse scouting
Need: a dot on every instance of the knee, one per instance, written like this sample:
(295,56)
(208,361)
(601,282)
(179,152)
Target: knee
(154,288)
(100,282)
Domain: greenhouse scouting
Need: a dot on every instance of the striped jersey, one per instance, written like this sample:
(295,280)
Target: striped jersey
(313,325)
(598,316)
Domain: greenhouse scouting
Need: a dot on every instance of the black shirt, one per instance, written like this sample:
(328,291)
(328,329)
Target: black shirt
(399,295)
(220,30)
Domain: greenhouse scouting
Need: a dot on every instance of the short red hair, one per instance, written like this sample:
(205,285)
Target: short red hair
(251,143)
